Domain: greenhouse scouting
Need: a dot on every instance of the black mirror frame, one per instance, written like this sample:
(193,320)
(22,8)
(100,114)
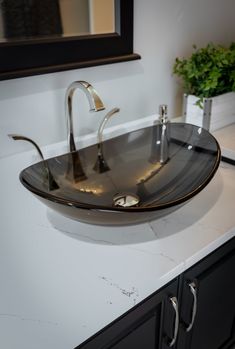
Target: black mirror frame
(47,55)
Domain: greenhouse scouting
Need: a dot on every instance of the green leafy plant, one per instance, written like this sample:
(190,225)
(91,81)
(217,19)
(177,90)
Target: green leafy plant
(208,72)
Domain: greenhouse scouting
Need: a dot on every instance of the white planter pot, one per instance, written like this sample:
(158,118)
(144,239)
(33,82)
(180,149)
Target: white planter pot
(217,112)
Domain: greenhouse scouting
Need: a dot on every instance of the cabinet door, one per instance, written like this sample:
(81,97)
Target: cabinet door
(149,325)
(208,292)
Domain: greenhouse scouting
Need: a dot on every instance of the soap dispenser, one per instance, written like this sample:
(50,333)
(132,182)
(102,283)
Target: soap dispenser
(160,138)
(164,134)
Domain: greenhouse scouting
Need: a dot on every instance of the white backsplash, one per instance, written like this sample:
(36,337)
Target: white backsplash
(34,106)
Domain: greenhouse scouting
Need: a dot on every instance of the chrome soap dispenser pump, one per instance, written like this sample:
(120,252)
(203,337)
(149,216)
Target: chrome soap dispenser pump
(163,114)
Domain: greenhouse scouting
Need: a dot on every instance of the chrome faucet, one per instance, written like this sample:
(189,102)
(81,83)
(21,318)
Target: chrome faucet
(104,122)
(101,164)
(94,101)
(51,183)
(17,137)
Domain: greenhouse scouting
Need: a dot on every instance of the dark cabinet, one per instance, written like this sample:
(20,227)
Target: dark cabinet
(214,281)
(144,336)
(194,311)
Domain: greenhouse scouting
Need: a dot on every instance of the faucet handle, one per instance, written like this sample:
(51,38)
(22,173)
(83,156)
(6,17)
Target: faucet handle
(104,121)
(17,137)
(52,185)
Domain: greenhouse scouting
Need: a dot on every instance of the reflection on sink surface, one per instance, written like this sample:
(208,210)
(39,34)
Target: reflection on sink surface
(136,184)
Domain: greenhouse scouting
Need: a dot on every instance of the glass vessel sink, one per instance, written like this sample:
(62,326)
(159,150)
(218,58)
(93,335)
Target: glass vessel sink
(132,178)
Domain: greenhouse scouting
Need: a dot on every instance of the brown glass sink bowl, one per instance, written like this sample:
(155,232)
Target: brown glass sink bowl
(163,171)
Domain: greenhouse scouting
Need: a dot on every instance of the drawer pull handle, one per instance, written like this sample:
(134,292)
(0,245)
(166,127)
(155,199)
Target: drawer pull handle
(193,290)
(174,303)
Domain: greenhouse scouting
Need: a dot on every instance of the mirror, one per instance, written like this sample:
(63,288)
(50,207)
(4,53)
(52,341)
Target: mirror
(39,37)
(34,19)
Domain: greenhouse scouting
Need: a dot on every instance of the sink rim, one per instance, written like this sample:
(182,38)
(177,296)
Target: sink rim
(155,207)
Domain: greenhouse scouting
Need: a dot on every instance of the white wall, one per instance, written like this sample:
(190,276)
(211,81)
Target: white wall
(163,30)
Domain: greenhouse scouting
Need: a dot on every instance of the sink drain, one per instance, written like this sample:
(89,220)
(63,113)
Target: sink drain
(125,200)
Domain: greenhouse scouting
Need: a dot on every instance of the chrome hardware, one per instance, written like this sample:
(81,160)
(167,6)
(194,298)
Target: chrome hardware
(163,114)
(101,164)
(52,185)
(104,121)
(193,290)
(75,172)
(125,200)
(160,143)
(23,138)
(174,302)
(164,145)
(94,101)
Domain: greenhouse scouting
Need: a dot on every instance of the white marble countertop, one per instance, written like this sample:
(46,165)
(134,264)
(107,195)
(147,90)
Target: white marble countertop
(226,139)
(62,281)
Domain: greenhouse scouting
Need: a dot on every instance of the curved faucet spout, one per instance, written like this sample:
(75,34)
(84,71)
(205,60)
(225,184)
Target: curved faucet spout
(94,101)
(104,121)
(101,164)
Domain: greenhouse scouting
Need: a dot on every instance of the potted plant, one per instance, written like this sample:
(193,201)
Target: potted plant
(208,77)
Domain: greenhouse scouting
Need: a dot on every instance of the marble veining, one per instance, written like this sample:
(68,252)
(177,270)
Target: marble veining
(24,318)
(62,281)
(131,293)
